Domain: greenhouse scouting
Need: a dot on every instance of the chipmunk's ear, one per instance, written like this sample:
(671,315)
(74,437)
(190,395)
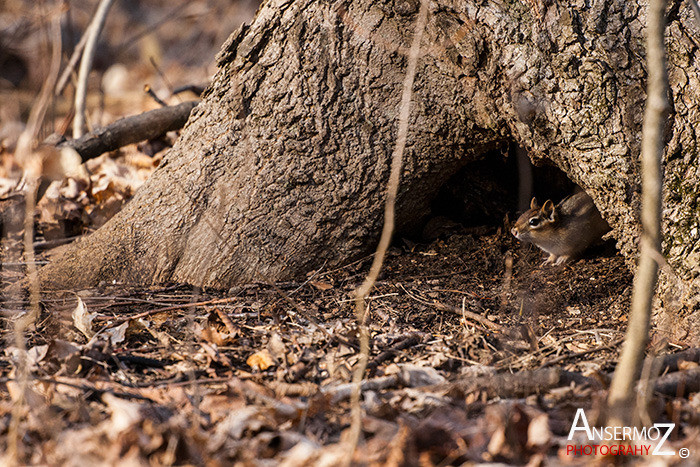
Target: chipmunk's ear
(533,204)
(548,211)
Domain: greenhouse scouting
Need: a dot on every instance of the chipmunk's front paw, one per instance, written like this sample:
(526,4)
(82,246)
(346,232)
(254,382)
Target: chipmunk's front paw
(555,260)
(550,260)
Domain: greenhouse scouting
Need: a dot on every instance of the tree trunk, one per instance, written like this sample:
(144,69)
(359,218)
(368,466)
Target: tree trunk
(283,165)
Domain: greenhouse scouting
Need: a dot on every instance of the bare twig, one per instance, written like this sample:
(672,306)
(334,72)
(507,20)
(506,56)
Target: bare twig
(621,396)
(94,29)
(162,77)
(151,28)
(63,80)
(342,392)
(309,279)
(49,244)
(458,311)
(86,387)
(410,340)
(193,88)
(152,94)
(32,164)
(303,313)
(388,230)
(171,308)
(561,358)
(32,170)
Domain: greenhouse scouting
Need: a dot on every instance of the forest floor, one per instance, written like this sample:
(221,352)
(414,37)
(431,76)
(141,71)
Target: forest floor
(260,374)
(478,353)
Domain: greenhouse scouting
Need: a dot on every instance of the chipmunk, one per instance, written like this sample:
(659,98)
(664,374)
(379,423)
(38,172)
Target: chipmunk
(565,230)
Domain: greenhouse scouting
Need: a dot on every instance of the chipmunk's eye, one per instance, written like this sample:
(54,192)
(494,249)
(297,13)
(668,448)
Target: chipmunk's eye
(534,222)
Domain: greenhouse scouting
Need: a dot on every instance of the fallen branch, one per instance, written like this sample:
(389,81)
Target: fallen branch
(510,385)
(678,384)
(410,340)
(344,391)
(670,362)
(85,387)
(130,130)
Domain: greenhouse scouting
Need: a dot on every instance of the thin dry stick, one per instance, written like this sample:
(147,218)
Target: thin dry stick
(151,28)
(63,80)
(392,189)
(86,65)
(32,166)
(561,358)
(457,311)
(304,314)
(86,388)
(181,306)
(621,396)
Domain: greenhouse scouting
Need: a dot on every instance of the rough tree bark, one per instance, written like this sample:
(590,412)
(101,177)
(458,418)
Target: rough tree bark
(281,167)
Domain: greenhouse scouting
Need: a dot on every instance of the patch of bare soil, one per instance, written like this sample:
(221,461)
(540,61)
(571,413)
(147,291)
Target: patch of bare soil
(477,354)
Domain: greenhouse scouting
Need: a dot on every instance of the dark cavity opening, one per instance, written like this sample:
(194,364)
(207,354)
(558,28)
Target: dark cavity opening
(485,194)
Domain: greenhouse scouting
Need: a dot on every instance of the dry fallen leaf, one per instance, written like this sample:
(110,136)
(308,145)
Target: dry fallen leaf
(28,394)
(538,432)
(117,334)
(577,346)
(57,163)
(67,354)
(416,376)
(276,347)
(235,425)
(35,355)
(686,365)
(125,414)
(82,319)
(261,360)
(213,335)
(321,285)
